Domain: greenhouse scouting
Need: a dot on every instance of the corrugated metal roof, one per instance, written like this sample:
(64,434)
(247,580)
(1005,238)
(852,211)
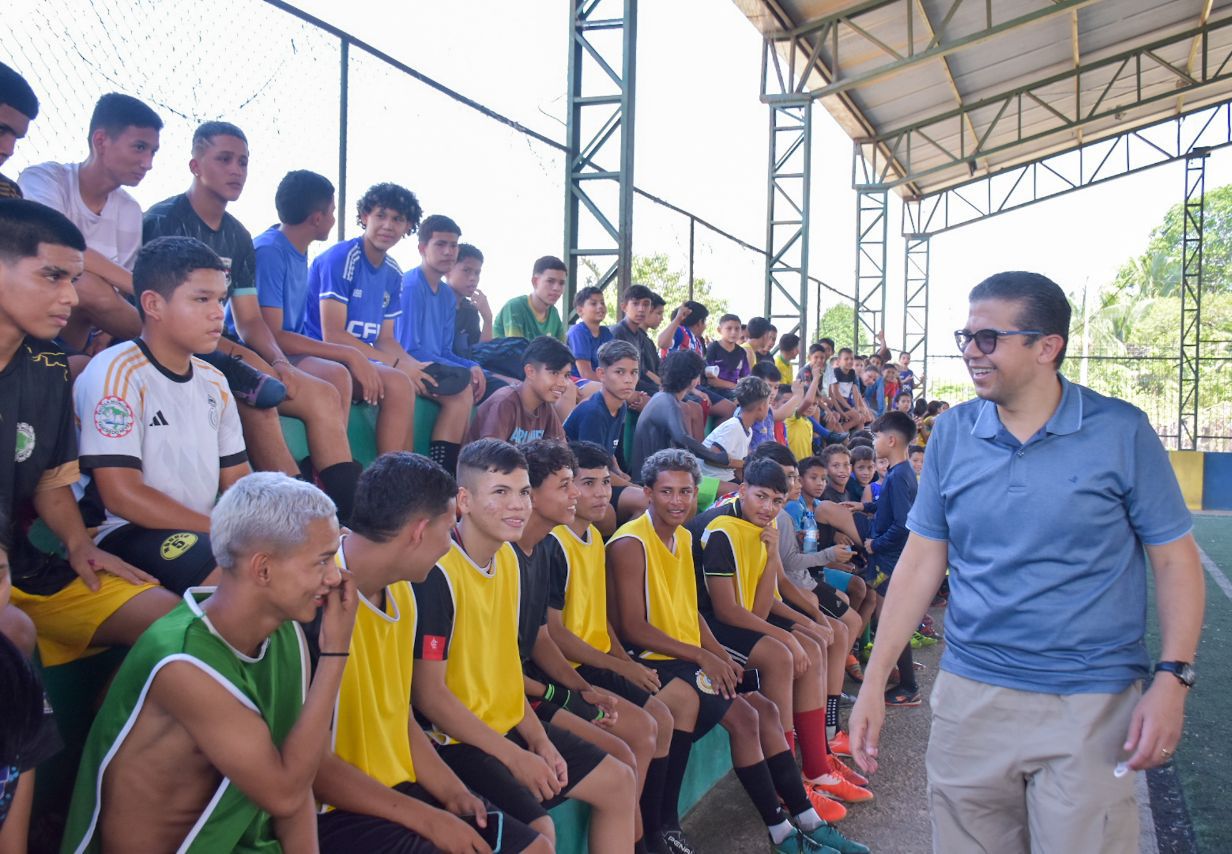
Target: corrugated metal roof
(964,99)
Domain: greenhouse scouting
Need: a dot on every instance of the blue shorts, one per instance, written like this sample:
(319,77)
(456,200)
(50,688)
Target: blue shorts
(837,578)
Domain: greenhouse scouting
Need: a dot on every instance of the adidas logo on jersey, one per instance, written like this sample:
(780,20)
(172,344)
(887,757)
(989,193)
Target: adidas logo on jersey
(159,419)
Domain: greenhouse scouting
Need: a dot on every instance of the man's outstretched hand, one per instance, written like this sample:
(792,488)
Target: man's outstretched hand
(864,726)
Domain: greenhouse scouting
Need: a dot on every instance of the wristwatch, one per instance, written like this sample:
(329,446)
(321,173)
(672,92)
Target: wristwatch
(1182,670)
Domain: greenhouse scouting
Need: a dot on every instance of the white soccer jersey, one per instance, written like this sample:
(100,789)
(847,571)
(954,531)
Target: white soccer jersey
(179,431)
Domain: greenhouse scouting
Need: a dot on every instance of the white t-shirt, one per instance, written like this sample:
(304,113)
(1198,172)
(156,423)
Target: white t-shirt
(115,233)
(734,438)
(178,431)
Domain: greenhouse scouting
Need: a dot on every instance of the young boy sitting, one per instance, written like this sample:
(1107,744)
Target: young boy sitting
(726,354)
(733,435)
(159,432)
(630,327)
(862,486)
(468,673)
(526,411)
(601,419)
(211,735)
(473,315)
(785,359)
(588,334)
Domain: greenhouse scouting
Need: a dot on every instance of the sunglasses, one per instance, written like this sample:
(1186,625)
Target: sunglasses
(986,339)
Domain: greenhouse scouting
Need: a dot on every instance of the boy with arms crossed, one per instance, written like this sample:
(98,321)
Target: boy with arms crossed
(468,674)
(211,735)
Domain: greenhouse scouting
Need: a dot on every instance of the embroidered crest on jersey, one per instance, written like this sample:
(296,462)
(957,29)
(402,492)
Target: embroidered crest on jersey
(385,301)
(703,682)
(113,417)
(433,648)
(213,416)
(176,544)
(25,441)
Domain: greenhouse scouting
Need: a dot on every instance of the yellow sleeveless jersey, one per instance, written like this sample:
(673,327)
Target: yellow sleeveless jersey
(671,587)
(748,551)
(484,669)
(374,702)
(585,611)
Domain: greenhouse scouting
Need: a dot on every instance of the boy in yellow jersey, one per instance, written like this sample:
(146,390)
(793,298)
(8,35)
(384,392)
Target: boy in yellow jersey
(736,553)
(655,608)
(468,673)
(385,785)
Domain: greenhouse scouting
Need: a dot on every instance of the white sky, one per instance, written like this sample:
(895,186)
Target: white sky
(701,134)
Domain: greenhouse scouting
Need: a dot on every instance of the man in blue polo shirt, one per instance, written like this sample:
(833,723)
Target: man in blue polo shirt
(1041,497)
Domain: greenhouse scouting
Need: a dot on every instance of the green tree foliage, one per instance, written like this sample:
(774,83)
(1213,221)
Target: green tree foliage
(657,273)
(838,323)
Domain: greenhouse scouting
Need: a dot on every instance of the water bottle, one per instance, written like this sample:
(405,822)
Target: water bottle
(808,525)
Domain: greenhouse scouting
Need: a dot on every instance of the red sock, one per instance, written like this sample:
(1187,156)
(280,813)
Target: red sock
(811,730)
(791,741)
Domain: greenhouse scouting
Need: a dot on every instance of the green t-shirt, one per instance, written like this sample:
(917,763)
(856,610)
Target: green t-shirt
(517,320)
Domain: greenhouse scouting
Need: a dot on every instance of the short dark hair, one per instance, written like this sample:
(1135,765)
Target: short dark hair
(545,456)
(203,136)
(862,454)
(437,223)
(590,455)
(728,318)
(636,293)
(829,342)
(768,371)
(934,407)
(615,351)
(859,441)
(489,455)
(790,341)
(548,262)
(901,395)
(679,369)
(300,194)
(670,459)
(165,263)
(758,326)
(656,300)
(896,422)
(397,487)
(16,92)
(751,390)
(921,408)
(392,197)
(813,462)
(548,352)
(767,473)
(816,347)
(1042,305)
(831,451)
(25,224)
(114,112)
(698,313)
(781,454)
(862,434)
(912,450)
(467,250)
(584,294)
(849,350)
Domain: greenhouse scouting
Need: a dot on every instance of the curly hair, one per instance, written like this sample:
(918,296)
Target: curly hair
(392,197)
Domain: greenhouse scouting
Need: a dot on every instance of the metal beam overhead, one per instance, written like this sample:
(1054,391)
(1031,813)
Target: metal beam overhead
(598,200)
(1113,85)
(789,178)
(1191,301)
(1095,162)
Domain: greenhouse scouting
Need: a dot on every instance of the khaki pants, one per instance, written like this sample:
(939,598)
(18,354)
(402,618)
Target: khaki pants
(1011,772)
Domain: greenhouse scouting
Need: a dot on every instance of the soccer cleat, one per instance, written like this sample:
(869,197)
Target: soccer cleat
(918,640)
(840,744)
(832,839)
(834,786)
(848,773)
(829,809)
(854,670)
(801,843)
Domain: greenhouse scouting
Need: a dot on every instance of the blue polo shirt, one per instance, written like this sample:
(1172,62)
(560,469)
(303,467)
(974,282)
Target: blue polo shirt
(282,277)
(1047,569)
(592,421)
(426,326)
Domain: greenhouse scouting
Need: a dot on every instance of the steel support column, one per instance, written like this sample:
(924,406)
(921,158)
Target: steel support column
(871,236)
(1191,301)
(915,303)
(787,217)
(598,198)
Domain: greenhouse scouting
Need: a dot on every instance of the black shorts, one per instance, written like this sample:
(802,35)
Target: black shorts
(614,683)
(828,601)
(711,705)
(178,559)
(488,777)
(342,832)
(739,642)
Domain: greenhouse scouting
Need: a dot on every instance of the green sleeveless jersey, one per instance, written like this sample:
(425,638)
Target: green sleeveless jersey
(274,684)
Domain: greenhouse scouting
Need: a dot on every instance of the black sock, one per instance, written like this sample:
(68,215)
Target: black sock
(339,482)
(832,710)
(673,778)
(652,796)
(639,847)
(906,672)
(786,776)
(759,784)
(445,453)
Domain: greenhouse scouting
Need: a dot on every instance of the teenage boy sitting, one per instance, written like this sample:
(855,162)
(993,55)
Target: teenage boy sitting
(159,432)
(685,331)
(386,789)
(655,607)
(18,107)
(601,419)
(525,411)
(761,335)
(425,328)
(473,317)
(535,314)
(588,334)
(630,327)
(468,674)
(123,138)
(726,354)
(733,435)
(735,549)
(661,423)
(92,598)
(353,301)
(844,392)
(894,432)
(785,359)
(211,734)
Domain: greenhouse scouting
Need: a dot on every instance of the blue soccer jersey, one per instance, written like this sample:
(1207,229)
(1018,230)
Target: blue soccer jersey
(282,278)
(371,294)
